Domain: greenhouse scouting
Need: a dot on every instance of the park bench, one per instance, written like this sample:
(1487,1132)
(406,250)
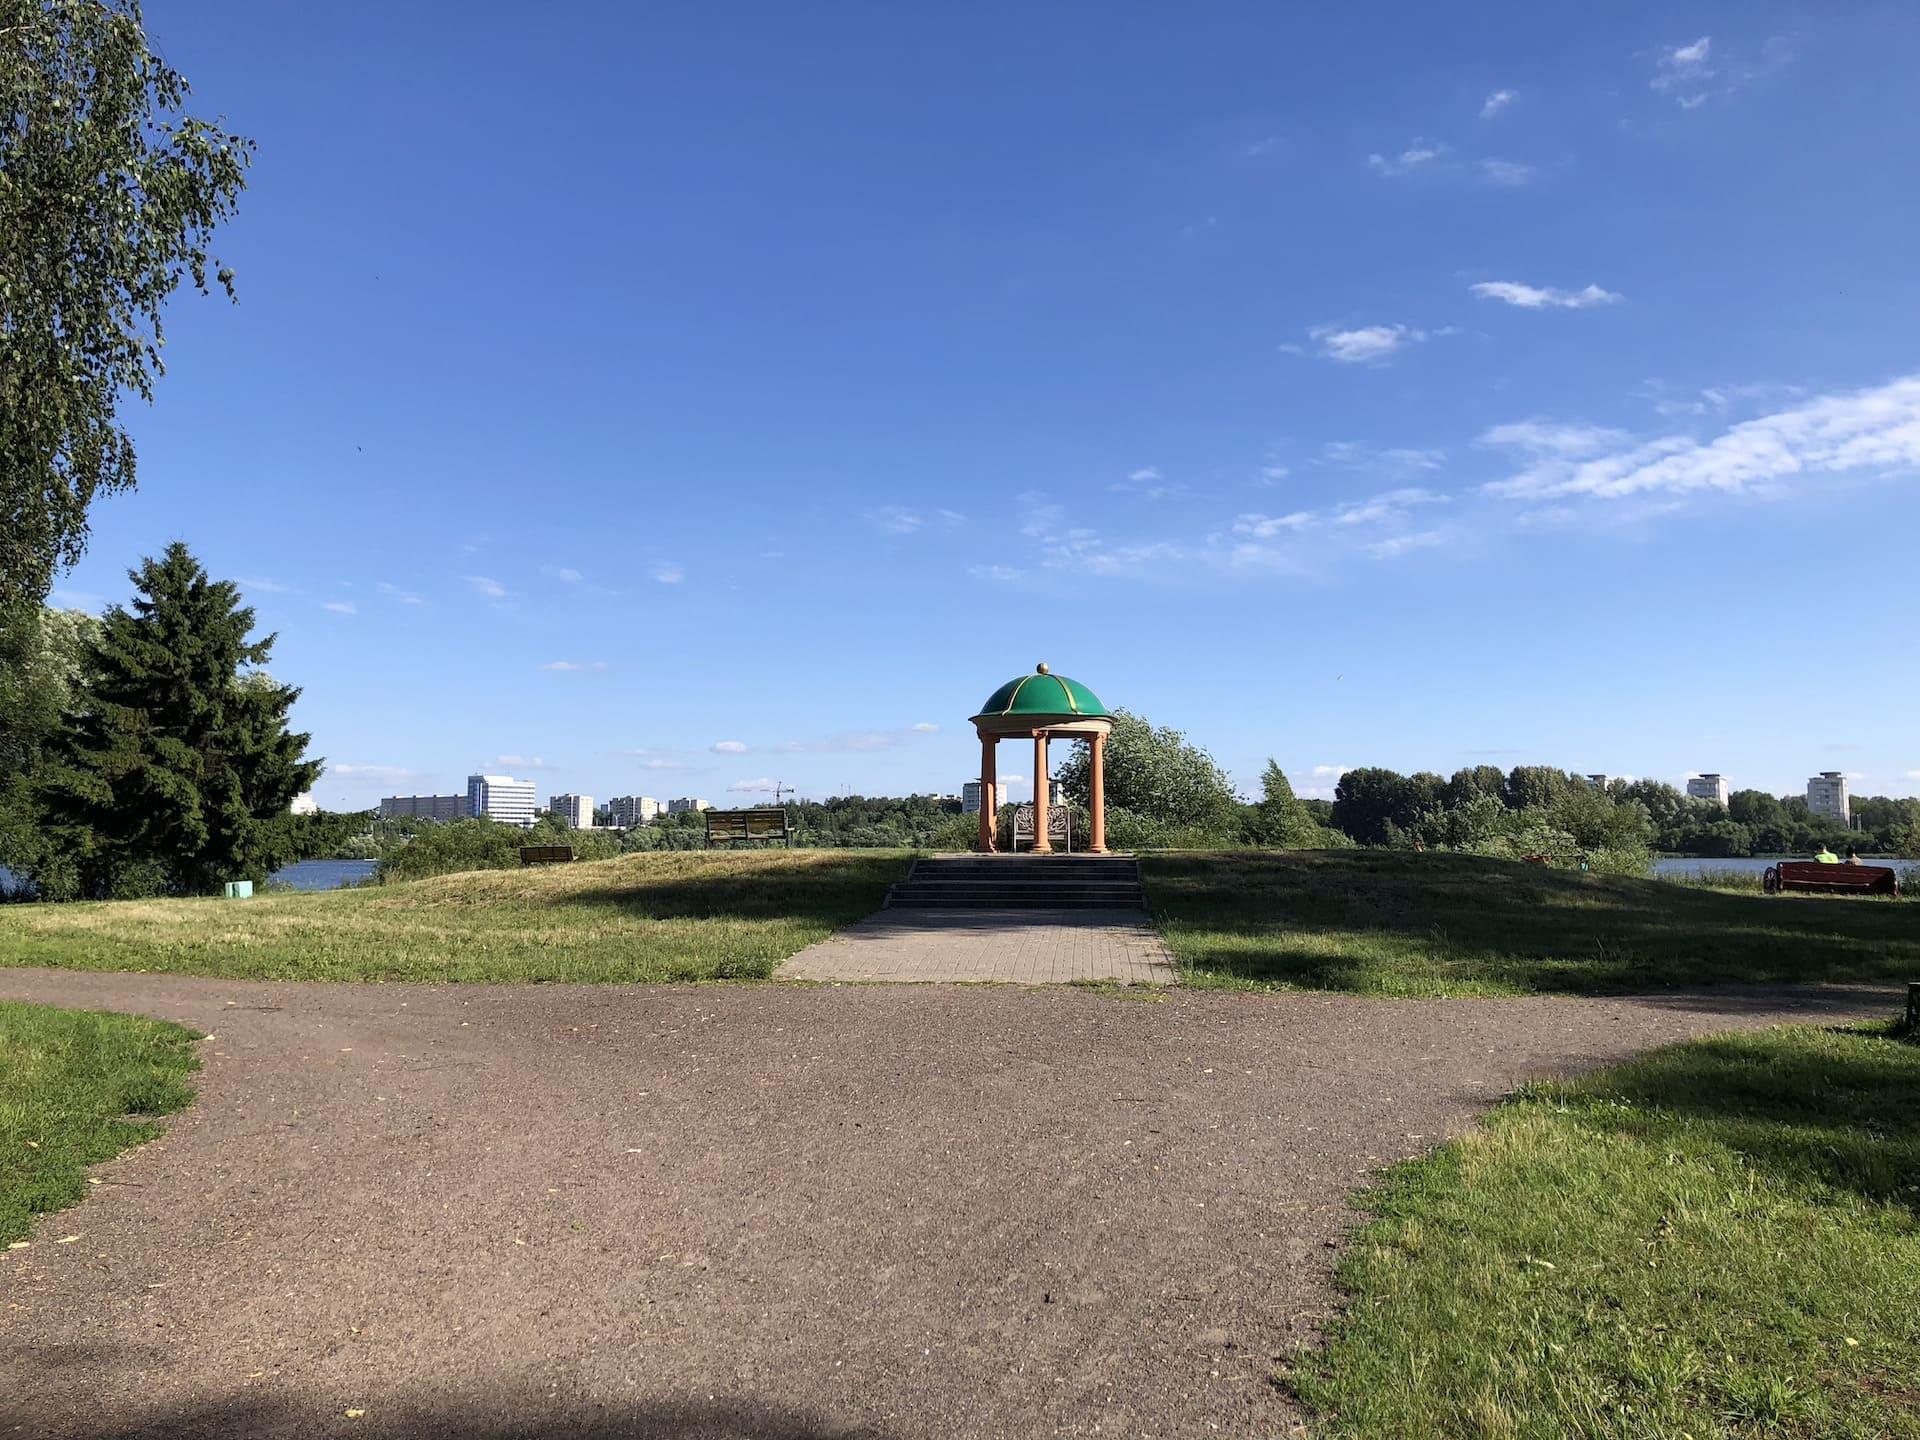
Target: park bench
(1811,875)
(546,854)
(726,826)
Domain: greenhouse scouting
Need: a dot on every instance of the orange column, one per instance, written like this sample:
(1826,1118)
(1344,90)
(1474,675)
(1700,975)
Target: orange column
(988,800)
(1097,797)
(1042,842)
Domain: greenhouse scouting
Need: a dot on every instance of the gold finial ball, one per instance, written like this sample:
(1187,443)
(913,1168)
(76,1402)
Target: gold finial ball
(1042,668)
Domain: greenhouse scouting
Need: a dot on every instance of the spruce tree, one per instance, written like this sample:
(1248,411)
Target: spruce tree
(179,758)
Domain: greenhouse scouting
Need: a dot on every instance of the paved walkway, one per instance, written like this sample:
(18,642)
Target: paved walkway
(879,1212)
(1014,947)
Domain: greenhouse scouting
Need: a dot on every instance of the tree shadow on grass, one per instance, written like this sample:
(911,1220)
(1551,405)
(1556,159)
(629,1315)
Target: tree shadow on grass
(837,893)
(1373,920)
(739,1418)
(1831,1107)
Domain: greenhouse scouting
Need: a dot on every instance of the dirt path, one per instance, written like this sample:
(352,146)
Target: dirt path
(862,1211)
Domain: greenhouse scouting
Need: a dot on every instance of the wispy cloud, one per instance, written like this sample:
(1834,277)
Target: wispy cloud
(488,587)
(347,771)
(1510,173)
(1865,432)
(859,742)
(1365,344)
(998,574)
(1265,527)
(64,599)
(568,575)
(665,572)
(729,747)
(900,520)
(392,591)
(522,762)
(1148,484)
(1550,437)
(567,666)
(1395,460)
(1694,73)
(265,586)
(1543,297)
(1418,156)
(340,607)
(762,786)
(1496,102)
(1397,545)
(1391,505)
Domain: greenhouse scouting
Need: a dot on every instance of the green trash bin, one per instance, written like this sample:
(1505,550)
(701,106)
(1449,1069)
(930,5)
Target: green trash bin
(239,890)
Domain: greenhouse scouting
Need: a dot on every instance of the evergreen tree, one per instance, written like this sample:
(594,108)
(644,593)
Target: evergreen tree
(171,776)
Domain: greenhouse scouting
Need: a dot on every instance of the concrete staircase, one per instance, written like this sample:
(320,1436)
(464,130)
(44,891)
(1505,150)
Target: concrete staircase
(1020,882)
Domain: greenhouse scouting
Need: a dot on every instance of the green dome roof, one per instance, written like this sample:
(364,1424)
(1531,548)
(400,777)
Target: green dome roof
(1042,693)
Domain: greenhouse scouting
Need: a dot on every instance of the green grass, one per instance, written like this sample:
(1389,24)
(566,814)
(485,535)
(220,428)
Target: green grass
(660,916)
(1717,1240)
(68,1081)
(1395,923)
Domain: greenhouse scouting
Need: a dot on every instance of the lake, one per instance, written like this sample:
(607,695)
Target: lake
(306,875)
(1748,865)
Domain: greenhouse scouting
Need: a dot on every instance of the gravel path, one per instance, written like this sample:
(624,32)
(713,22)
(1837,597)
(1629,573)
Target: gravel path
(850,1211)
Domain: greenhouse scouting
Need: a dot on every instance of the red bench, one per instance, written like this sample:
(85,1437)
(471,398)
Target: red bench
(1844,879)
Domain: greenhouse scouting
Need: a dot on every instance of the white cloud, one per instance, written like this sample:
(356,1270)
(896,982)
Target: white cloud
(1418,155)
(566,573)
(666,572)
(271,587)
(1496,102)
(925,727)
(752,787)
(78,600)
(1148,484)
(1696,73)
(1265,527)
(1354,455)
(1393,505)
(490,588)
(1548,437)
(1274,474)
(522,762)
(1265,145)
(1366,344)
(729,747)
(340,607)
(1511,173)
(899,520)
(1403,544)
(1913,774)
(1681,70)
(1000,574)
(1329,772)
(372,772)
(1543,297)
(405,597)
(562,665)
(1863,432)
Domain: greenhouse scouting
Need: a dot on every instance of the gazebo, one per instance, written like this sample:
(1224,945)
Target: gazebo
(1043,705)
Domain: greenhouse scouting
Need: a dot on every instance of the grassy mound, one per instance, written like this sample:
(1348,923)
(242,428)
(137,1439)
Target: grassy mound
(1721,1239)
(660,916)
(1394,923)
(68,1081)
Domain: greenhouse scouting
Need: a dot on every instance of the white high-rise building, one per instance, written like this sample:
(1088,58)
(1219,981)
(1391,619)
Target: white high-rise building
(686,803)
(575,811)
(1827,796)
(304,804)
(625,812)
(501,798)
(1709,786)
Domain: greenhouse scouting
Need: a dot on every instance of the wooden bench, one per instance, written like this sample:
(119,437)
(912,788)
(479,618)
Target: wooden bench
(726,826)
(1811,875)
(546,854)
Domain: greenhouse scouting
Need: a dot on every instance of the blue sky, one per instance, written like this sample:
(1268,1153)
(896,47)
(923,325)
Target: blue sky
(670,399)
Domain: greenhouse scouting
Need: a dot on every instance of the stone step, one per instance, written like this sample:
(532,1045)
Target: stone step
(914,894)
(1039,902)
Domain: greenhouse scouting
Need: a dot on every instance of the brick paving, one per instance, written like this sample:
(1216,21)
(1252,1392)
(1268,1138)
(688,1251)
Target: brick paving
(1011,947)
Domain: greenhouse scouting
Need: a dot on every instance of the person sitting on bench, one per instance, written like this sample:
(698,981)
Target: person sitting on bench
(1853,856)
(1826,856)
